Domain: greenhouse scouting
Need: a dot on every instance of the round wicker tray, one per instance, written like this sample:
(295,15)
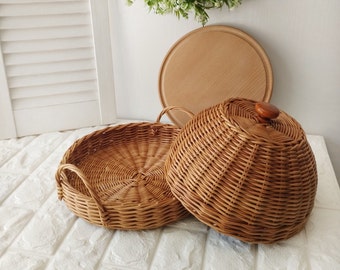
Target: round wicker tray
(244,169)
(114,177)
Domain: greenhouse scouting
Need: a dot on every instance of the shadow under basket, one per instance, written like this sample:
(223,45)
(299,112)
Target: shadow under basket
(114,177)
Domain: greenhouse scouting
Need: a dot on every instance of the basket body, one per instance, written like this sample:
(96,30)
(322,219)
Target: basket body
(251,180)
(114,177)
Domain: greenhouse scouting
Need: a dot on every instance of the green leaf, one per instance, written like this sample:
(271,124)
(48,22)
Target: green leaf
(182,8)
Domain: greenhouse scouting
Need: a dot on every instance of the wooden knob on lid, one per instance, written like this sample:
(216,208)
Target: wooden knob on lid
(266,111)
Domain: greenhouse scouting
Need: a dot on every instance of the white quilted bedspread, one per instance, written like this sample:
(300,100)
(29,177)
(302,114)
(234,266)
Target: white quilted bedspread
(38,232)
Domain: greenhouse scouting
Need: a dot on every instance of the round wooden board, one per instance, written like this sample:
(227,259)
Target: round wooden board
(211,64)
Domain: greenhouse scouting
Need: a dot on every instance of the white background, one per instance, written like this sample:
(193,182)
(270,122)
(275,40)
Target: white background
(301,38)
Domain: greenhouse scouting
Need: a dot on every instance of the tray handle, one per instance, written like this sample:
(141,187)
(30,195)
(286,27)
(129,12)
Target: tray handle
(178,108)
(62,177)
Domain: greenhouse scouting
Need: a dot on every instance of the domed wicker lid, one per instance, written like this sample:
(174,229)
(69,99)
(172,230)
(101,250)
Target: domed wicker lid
(244,169)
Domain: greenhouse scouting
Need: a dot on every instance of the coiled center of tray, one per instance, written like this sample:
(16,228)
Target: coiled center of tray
(115,176)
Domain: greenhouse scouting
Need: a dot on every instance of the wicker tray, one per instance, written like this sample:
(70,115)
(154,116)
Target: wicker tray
(114,177)
(244,169)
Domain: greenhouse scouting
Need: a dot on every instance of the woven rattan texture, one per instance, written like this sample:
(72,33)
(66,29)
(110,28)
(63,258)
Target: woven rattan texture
(251,180)
(114,177)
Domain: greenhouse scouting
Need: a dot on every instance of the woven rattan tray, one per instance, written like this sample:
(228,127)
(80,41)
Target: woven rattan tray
(114,177)
(245,169)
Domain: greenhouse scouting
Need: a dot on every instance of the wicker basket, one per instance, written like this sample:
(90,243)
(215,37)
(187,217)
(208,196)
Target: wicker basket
(114,177)
(246,170)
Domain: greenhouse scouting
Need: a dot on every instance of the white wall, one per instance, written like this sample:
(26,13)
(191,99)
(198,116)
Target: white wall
(301,38)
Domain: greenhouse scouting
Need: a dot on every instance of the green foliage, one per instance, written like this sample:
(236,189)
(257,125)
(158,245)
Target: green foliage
(182,8)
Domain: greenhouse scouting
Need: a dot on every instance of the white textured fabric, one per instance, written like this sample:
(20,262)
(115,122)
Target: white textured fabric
(38,232)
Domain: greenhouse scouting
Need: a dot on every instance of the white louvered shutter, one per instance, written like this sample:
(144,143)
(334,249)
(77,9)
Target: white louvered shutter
(55,66)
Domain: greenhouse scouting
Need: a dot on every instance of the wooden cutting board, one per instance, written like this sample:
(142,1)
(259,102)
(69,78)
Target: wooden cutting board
(211,64)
